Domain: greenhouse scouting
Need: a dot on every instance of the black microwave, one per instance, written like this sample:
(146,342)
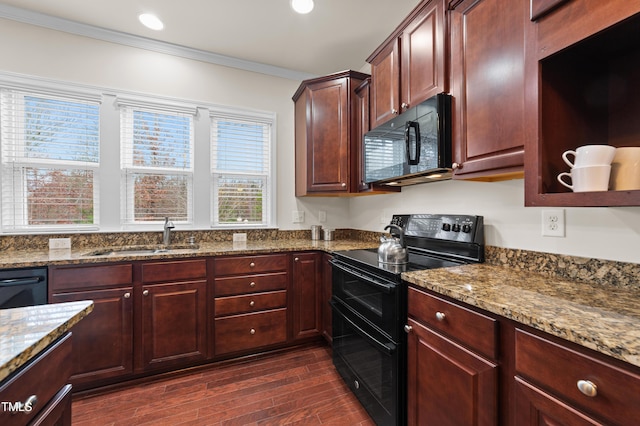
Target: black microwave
(414,147)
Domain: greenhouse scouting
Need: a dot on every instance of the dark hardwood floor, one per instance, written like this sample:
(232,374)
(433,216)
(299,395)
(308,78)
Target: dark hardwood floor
(297,387)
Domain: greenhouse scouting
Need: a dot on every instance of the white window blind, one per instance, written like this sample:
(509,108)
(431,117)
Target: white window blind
(50,153)
(156,163)
(241,169)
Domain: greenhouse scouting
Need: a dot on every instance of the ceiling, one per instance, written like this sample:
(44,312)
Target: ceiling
(259,35)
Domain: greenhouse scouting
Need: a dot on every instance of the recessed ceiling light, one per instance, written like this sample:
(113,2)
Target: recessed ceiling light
(151,21)
(302,6)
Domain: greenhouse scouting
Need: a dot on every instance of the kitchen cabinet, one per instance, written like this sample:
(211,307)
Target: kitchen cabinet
(250,302)
(559,386)
(325,297)
(581,80)
(451,368)
(306,294)
(325,135)
(409,67)
(102,342)
(173,313)
(488,85)
(42,387)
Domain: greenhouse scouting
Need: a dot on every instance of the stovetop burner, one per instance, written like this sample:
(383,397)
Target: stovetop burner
(417,261)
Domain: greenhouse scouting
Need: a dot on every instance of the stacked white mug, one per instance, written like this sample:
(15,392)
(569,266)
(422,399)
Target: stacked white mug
(591,168)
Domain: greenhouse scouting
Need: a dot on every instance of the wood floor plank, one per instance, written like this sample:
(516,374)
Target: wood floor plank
(296,387)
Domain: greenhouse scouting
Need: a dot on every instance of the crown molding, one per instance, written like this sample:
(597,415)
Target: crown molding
(77,28)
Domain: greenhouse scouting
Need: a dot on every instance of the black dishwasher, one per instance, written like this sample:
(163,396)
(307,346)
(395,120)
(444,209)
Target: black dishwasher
(23,287)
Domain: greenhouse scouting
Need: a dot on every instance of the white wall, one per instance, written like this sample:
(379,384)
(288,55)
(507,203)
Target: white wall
(607,233)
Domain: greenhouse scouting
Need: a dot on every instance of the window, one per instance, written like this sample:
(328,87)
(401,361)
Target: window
(50,153)
(241,169)
(157,164)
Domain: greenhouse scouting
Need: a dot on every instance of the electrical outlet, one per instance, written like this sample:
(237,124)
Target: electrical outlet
(322,216)
(59,243)
(553,223)
(298,216)
(239,238)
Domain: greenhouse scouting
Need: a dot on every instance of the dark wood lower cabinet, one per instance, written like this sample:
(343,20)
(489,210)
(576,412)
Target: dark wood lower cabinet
(174,324)
(103,342)
(306,294)
(447,383)
(250,331)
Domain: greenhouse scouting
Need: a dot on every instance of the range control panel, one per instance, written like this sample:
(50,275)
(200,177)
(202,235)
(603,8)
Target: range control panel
(462,228)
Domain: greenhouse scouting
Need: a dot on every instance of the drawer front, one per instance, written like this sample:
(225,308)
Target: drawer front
(181,270)
(43,377)
(250,331)
(232,305)
(250,284)
(559,369)
(251,264)
(470,328)
(83,277)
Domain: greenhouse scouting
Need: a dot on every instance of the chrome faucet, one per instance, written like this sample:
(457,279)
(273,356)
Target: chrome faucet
(166,233)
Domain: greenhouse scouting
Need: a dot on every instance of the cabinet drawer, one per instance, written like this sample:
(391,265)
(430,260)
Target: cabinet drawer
(559,370)
(251,264)
(174,271)
(250,331)
(232,305)
(250,284)
(43,377)
(470,328)
(82,277)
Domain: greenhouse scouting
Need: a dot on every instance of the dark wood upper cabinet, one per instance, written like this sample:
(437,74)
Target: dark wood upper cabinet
(326,134)
(410,66)
(487,83)
(581,81)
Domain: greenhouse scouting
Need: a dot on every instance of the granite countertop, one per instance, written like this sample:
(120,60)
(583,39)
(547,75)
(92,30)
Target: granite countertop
(25,332)
(34,258)
(597,316)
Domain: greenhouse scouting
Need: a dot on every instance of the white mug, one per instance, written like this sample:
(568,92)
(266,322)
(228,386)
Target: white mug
(590,155)
(586,179)
(625,169)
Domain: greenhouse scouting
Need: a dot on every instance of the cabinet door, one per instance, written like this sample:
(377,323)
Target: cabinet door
(103,341)
(328,136)
(537,408)
(488,86)
(448,384)
(385,84)
(306,294)
(422,70)
(174,326)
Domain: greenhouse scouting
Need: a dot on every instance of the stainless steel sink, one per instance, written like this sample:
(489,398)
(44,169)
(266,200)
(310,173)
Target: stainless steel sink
(136,251)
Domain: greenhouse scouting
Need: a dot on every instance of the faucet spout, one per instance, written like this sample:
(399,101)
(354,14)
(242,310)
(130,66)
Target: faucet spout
(166,233)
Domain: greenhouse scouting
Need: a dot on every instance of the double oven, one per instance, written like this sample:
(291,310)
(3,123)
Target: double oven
(369,307)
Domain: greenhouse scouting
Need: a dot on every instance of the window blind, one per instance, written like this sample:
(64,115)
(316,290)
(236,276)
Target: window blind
(50,152)
(156,164)
(240,163)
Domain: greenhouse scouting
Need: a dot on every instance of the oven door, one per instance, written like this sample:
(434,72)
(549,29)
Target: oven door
(23,287)
(370,364)
(376,298)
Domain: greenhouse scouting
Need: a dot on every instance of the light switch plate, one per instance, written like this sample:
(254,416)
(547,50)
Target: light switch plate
(298,216)
(239,237)
(59,243)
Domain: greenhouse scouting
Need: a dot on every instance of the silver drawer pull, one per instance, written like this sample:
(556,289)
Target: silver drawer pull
(127,295)
(252,303)
(252,265)
(588,388)
(252,331)
(440,316)
(252,284)
(408,328)
(145,293)
(29,405)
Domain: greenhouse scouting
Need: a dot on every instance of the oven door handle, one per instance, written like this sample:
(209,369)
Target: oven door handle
(387,288)
(388,348)
(20,281)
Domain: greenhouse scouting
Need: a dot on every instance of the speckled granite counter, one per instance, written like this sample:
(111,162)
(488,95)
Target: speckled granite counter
(25,332)
(602,317)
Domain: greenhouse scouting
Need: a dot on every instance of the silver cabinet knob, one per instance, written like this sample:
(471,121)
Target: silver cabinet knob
(252,284)
(297,259)
(344,185)
(252,303)
(404,105)
(145,293)
(29,404)
(252,265)
(440,316)
(456,166)
(408,328)
(356,384)
(588,388)
(394,111)
(252,331)
(127,295)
